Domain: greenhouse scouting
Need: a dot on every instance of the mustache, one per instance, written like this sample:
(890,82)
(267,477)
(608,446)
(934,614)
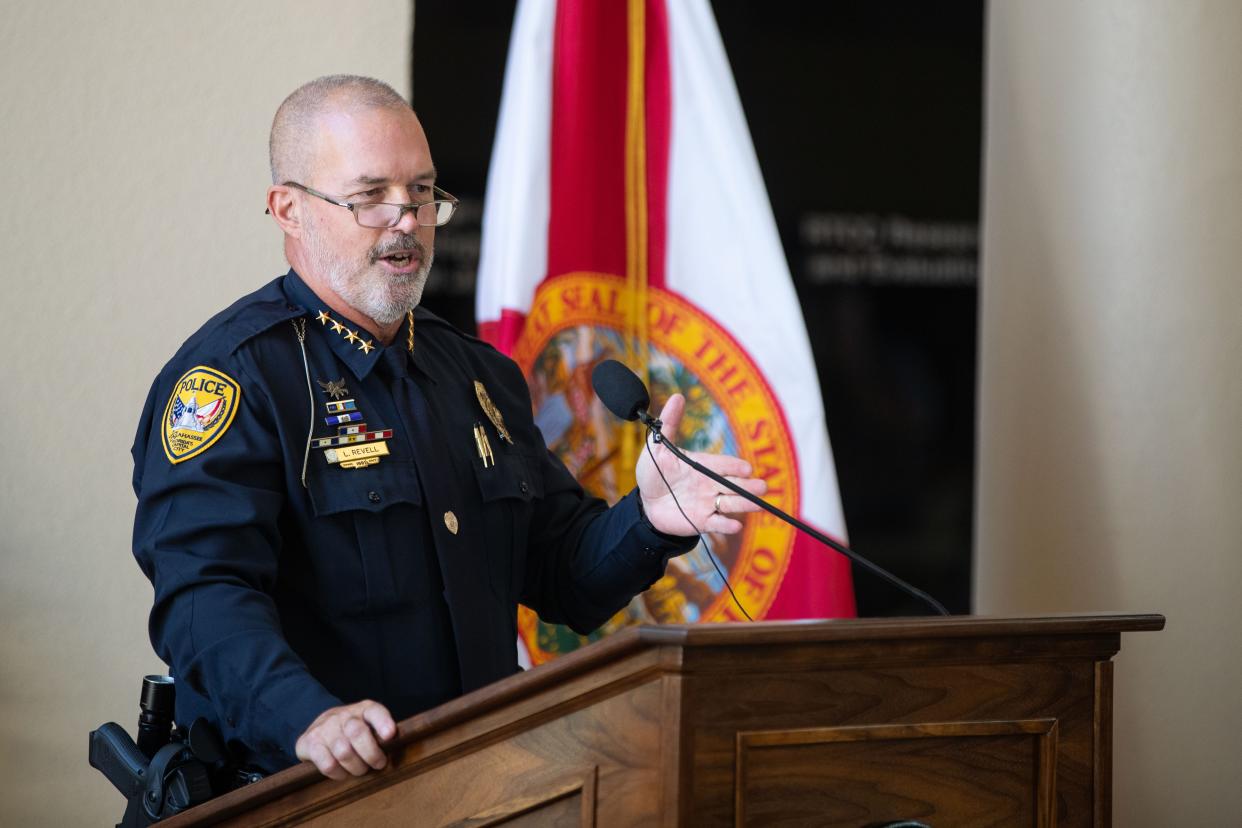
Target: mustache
(405,243)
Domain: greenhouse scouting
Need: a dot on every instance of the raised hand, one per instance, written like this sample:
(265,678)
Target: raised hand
(705,502)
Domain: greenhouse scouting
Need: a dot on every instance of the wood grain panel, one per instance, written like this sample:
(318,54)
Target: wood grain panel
(560,813)
(439,736)
(675,763)
(954,773)
(615,740)
(562,806)
(1103,744)
(719,707)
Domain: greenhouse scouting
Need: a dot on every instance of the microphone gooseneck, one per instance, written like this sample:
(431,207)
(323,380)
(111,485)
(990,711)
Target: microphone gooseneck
(625,395)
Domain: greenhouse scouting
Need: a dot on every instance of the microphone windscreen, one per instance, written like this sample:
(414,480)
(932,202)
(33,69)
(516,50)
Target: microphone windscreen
(620,389)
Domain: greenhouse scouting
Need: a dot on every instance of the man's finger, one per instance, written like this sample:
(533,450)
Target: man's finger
(318,753)
(363,740)
(721,525)
(671,413)
(380,720)
(343,751)
(730,504)
(754,485)
(724,464)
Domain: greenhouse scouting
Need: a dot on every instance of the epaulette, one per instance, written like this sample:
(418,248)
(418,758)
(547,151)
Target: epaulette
(243,320)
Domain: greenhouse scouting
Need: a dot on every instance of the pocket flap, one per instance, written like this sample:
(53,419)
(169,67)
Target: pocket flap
(515,475)
(370,489)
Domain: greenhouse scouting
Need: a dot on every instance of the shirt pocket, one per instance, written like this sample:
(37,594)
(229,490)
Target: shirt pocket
(511,490)
(383,558)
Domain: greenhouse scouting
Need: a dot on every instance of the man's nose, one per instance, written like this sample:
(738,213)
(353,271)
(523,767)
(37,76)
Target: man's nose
(408,222)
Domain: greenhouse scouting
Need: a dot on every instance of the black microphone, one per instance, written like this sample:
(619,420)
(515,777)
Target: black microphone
(625,395)
(621,391)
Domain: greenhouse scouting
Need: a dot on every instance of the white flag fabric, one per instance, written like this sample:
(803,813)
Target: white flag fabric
(626,217)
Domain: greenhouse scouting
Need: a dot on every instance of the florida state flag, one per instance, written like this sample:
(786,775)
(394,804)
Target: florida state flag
(626,218)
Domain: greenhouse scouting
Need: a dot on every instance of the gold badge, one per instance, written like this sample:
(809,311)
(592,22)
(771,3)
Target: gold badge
(450,522)
(198,413)
(493,413)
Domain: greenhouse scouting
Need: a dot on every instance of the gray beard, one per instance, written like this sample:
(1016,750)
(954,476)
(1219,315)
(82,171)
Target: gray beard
(380,296)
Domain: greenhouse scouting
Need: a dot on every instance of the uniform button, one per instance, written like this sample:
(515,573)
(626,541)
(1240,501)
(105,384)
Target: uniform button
(524,487)
(374,497)
(450,522)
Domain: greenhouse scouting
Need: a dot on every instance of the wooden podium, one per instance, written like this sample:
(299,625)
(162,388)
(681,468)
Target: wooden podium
(948,721)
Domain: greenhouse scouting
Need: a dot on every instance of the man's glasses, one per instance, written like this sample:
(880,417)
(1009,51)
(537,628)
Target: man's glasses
(435,213)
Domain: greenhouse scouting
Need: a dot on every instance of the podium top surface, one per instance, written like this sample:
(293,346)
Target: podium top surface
(857,629)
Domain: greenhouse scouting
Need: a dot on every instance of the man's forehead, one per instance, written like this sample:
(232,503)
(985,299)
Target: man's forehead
(373,146)
(373,180)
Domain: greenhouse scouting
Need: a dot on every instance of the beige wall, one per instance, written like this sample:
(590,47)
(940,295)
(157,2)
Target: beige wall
(1110,405)
(134,139)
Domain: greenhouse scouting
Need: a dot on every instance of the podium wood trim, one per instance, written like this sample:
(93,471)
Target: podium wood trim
(530,803)
(650,723)
(1043,730)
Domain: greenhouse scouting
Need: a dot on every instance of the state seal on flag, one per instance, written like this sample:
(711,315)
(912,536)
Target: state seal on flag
(576,321)
(199,411)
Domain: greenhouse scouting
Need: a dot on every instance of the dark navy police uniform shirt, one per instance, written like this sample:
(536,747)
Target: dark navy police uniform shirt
(286,584)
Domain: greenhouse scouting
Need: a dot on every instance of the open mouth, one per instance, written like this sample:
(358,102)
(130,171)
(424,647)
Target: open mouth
(401,261)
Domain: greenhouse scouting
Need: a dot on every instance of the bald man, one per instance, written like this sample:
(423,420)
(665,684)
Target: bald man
(342,499)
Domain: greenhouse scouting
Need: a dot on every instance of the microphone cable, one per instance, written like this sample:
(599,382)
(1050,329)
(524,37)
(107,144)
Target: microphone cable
(625,395)
(647,441)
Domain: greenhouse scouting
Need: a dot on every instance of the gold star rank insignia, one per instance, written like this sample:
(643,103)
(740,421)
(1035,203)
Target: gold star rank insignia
(337,326)
(323,318)
(351,337)
(334,388)
(365,346)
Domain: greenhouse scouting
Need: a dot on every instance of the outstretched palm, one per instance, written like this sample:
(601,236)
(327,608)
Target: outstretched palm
(705,502)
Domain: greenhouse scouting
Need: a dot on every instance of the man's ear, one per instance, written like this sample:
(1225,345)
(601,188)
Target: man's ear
(286,209)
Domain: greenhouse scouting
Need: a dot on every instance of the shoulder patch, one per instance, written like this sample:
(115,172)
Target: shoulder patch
(198,413)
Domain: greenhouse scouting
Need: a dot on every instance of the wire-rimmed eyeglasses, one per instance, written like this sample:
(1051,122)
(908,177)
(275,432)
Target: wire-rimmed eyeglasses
(434,213)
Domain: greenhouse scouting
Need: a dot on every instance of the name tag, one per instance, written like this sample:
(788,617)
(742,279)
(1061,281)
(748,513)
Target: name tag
(356,456)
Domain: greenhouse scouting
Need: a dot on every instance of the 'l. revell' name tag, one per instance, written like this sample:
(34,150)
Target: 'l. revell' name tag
(361,451)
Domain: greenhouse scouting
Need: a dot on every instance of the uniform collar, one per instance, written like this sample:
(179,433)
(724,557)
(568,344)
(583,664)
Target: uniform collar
(354,346)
